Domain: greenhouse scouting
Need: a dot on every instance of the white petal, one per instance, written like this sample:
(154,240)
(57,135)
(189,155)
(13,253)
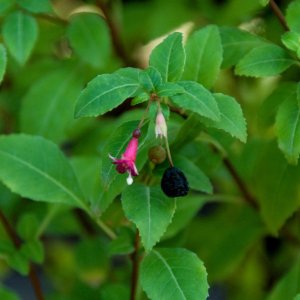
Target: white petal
(157,132)
(135,169)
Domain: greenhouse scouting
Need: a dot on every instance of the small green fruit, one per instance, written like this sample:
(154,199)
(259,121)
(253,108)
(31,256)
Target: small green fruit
(157,154)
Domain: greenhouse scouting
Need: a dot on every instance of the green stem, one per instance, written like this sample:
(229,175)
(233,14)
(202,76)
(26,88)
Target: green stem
(54,209)
(169,152)
(110,233)
(52,19)
(145,114)
(48,218)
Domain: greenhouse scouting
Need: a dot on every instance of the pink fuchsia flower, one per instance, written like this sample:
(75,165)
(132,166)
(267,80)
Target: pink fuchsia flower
(160,125)
(127,161)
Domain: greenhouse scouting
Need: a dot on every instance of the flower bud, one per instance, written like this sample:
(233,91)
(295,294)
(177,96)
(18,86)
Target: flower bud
(136,133)
(157,154)
(174,183)
(160,125)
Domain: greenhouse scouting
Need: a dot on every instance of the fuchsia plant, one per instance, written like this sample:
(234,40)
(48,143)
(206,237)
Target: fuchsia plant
(174,182)
(169,129)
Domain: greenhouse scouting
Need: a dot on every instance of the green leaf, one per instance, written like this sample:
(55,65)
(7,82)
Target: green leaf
(288,286)
(47,108)
(3,62)
(190,129)
(90,38)
(186,209)
(35,168)
(198,181)
(197,99)
(236,44)
(204,54)
(268,110)
(276,187)
(33,251)
(150,210)
(232,119)
(19,262)
(297,297)
(87,170)
(104,93)
(150,79)
(20,33)
(238,237)
(27,226)
(171,274)
(123,244)
(264,61)
(169,57)
(292,16)
(169,89)
(114,292)
(109,193)
(288,128)
(291,40)
(130,73)
(143,97)
(36,6)
(85,257)
(7,294)
(264,2)
(6,247)
(5,5)
(146,81)
(155,76)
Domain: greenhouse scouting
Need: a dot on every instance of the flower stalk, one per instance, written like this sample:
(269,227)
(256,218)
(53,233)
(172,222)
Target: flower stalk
(169,152)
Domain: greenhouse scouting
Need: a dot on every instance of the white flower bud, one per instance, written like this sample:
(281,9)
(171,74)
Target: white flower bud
(160,125)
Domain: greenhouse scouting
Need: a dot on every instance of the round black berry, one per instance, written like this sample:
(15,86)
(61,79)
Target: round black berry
(174,183)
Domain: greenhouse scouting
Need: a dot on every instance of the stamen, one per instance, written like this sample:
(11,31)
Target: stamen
(129,179)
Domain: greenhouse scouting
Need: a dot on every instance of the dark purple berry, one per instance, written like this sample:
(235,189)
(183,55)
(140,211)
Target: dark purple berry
(174,183)
(136,133)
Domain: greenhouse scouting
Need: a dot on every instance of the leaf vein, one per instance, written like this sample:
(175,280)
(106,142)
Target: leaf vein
(105,93)
(286,60)
(45,175)
(171,272)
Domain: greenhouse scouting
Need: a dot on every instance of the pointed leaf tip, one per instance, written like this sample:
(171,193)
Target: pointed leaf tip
(104,93)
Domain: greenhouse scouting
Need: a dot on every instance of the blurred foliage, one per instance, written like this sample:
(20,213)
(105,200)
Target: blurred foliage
(238,142)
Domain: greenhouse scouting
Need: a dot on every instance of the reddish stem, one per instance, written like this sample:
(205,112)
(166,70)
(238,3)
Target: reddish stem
(115,35)
(135,267)
(279,14)
(240,183)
